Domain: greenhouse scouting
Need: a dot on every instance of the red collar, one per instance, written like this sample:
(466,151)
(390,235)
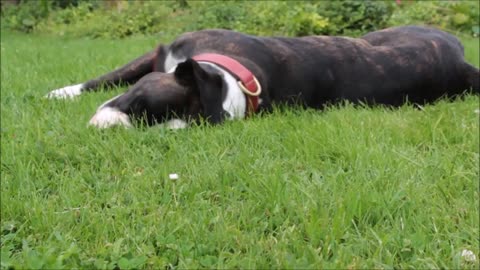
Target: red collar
(246,80)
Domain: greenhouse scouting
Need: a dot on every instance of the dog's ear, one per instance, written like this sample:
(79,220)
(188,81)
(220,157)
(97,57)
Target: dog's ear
(184,72)
(206,84)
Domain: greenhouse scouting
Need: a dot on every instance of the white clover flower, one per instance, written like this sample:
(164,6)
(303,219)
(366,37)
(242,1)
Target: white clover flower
(468,255)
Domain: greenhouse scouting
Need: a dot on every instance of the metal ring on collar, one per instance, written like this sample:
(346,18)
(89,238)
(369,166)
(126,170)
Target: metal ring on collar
(247,92)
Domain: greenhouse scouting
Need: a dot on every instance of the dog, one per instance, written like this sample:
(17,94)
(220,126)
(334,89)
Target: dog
(219,75)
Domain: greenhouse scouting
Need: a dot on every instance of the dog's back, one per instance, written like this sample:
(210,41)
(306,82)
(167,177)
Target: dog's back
(387,67)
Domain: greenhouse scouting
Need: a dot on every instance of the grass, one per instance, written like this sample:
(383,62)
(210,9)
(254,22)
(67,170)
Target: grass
(345,188)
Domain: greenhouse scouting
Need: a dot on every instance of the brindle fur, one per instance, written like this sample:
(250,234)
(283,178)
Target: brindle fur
(387,67)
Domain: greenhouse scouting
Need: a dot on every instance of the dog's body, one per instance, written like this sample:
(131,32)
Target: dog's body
(390,67)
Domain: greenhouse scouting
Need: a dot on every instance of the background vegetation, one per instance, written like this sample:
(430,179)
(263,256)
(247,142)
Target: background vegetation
(119,19)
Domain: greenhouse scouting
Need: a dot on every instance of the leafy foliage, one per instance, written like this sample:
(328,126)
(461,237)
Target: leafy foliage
(24,17)
(355,17)
(92,18)
(452,15)
(261,18)
(89,21)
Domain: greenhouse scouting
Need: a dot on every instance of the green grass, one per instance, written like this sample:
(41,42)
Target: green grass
(345,188)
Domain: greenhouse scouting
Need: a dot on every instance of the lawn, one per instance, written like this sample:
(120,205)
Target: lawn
(344,188)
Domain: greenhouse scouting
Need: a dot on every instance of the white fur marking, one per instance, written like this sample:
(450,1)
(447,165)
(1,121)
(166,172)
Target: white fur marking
(171,62)
(70,91)
(235,102)
(108,117)
(176,124)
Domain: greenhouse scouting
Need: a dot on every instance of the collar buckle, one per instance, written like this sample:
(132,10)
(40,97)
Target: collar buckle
(257,88)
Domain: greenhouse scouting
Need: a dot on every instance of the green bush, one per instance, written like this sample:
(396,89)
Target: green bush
(215,14)
(24,17)
(355,17)
(460,16)
(293,18)
(85,20)
(284,19)
(88,19)
(92,18)
(29,13)
(259,18)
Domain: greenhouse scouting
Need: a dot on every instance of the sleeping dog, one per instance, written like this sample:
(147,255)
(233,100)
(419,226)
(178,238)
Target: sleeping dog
(220,74)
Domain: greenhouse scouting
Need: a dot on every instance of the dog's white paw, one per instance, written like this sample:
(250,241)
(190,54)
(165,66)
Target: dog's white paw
(176,124)
(66,92)
(108,117)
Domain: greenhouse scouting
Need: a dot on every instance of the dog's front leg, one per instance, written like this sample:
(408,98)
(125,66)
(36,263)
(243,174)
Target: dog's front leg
(127,74)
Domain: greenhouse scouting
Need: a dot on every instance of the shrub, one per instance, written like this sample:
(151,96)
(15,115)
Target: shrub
(293,18)
(460,16)
(93,18)
(28,14)
(215,14)
(259,18)
(24,17)
(285,19)
(86,20)
(355,17)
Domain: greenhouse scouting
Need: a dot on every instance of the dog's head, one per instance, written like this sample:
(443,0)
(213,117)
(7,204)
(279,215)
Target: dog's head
(194,91)
(207,88)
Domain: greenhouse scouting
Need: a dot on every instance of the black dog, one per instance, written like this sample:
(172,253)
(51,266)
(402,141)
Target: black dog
(220,74)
